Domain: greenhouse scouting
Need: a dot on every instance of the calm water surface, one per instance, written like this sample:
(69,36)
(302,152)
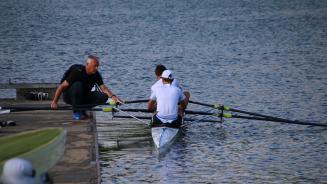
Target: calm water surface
(261,56)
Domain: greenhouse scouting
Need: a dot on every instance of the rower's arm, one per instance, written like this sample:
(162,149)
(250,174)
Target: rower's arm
(183,104)
(60,89)
(151,105)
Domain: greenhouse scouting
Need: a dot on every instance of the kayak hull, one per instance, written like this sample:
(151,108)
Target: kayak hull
(43,156)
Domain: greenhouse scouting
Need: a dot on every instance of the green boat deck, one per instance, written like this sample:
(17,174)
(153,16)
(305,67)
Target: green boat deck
(79,162)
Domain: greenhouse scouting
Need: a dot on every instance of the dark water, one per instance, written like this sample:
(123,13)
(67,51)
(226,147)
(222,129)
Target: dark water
(261,56)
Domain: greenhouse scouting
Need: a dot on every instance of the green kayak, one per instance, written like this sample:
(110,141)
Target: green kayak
(43,147)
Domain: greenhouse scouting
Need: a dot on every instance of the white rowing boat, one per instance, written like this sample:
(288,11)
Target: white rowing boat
(164,136)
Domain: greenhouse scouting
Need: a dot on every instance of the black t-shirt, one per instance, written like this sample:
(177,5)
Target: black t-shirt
(79,74)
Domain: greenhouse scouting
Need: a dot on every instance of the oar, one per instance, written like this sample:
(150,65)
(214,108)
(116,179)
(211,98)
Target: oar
(148,111)
(266,117)
(8,109)
(227,115)
(275,120)
(147,123)
(135,101)
(113,103)
(125,104)
(136,110)
(138,117)
(186,119)
(226,108)
(32,108)
(205,104)
(87,107)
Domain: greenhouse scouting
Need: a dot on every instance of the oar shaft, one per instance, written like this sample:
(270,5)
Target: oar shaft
(31,108)
(279,120)
(202,120)
(199,112)
(135,110)
(135,101)
(186,112)
(258,116)
(232,109)
(263,118)
(119,110)
(129,117)
(253,114)
(275,119)
(122,103)
(149,118)
(34,108)
(200,103)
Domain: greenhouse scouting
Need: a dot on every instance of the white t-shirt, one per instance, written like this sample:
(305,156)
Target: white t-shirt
(167,97)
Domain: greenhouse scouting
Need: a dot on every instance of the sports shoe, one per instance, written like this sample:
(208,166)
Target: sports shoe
(78,116)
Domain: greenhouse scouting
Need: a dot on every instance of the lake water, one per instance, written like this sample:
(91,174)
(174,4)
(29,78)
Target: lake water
(261,56)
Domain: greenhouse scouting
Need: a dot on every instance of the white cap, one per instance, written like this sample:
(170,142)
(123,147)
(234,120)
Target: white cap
(167,74)
(18,171)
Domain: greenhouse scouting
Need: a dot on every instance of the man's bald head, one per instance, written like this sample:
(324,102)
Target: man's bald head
(92,64)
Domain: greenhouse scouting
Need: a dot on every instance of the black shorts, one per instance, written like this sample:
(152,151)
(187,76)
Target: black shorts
(156,122)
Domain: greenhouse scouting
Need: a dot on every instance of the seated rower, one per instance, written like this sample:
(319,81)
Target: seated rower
(167,97)
(158,72)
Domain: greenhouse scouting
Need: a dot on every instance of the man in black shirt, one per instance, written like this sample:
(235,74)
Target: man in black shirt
(77,84)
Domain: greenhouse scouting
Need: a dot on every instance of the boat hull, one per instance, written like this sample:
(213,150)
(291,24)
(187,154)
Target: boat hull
(164,136)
